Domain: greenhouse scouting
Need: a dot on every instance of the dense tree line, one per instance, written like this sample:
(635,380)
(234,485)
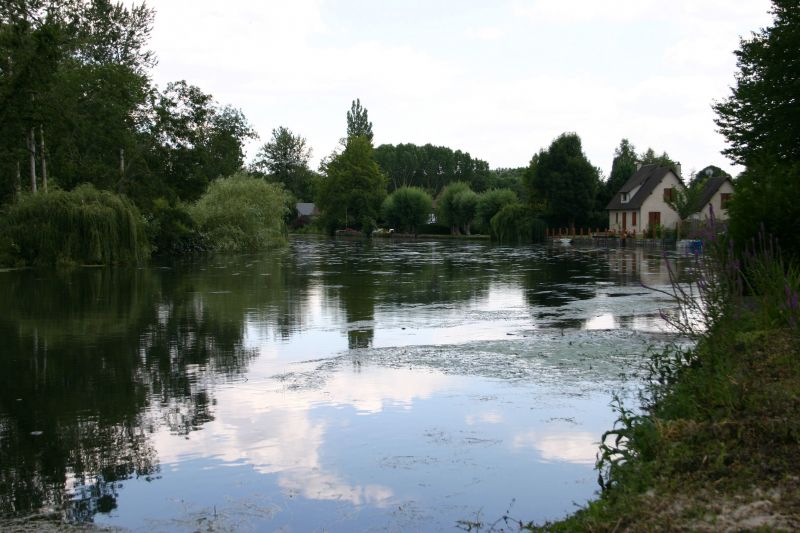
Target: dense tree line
(430,167)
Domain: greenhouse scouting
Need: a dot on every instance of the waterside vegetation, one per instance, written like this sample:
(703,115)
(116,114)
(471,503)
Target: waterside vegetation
(715,446)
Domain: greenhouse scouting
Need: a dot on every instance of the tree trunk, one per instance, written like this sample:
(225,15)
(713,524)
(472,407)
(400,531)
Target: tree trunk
(18,182)
(32,153)
(44,162)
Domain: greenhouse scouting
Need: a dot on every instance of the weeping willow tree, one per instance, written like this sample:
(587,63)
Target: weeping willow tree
(83,226)
(517,224)
(242,214)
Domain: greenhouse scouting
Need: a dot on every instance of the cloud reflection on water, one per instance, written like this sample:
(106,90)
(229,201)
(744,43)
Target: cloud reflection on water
(577,447)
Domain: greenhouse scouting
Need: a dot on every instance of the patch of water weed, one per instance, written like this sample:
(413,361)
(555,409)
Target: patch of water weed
(588,360)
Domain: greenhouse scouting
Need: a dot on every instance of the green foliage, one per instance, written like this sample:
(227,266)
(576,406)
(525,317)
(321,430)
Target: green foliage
(722,413)
(564,181)
(760,118)
(517,223)
(172,229)
(77,75)
(456,207)
(710,171)
(767,199)
(762,126)
(489,203)
(353,189)
(622,168)
(358,124)
(649,157)
(431,167)
(75,72)
(407,208)
(84,226)
(197,141)
(507,178)
(285,159)
(242,213)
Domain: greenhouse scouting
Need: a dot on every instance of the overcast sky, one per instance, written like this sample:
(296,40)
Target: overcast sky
(499,79)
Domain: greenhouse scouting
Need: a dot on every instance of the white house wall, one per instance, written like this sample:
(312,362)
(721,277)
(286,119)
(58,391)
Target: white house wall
(655,202)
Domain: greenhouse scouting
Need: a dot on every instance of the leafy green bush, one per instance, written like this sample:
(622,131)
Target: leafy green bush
(172,229)
(407,208)
(517,224)
(242,213)
(490,203)
(84,226)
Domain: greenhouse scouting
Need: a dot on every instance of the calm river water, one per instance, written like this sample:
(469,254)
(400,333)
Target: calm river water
(331,386)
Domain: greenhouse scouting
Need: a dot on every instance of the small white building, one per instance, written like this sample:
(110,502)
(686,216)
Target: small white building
(716,194)
(641,204)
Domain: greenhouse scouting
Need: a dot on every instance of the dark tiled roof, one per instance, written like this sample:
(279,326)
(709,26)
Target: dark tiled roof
(710,188)
(648,177)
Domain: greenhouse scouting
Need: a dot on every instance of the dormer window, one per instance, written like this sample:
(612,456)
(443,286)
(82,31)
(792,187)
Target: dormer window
(624,197)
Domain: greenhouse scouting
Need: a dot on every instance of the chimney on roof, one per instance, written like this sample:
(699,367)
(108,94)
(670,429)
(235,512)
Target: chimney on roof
(678,170)
(638,165)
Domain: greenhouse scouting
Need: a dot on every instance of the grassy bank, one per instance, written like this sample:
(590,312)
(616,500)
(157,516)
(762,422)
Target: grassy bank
(716,446)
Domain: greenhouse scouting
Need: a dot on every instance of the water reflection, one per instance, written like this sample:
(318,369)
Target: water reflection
(328,369)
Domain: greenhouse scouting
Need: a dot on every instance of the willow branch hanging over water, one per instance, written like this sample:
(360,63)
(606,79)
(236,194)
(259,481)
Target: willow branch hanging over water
(83,226)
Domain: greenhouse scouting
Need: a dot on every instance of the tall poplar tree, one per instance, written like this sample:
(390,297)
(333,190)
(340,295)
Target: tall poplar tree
(358,124)
(353,189)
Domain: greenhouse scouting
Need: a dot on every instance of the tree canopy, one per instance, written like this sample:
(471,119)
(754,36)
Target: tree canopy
(358,124)
(761,122)
(761,117)
(490,203)
(430,167)
(563,180)
(407,208)
(457,206)
(285,159)
(351,193)
(649,157)
(623,167)
(77,105)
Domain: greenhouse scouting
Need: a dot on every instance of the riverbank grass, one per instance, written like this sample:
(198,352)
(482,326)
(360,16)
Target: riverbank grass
(717,446)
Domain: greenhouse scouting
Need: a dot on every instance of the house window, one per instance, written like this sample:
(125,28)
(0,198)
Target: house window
(654,219)
(726,197)
(633,219)
(669,194)
(624,197)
